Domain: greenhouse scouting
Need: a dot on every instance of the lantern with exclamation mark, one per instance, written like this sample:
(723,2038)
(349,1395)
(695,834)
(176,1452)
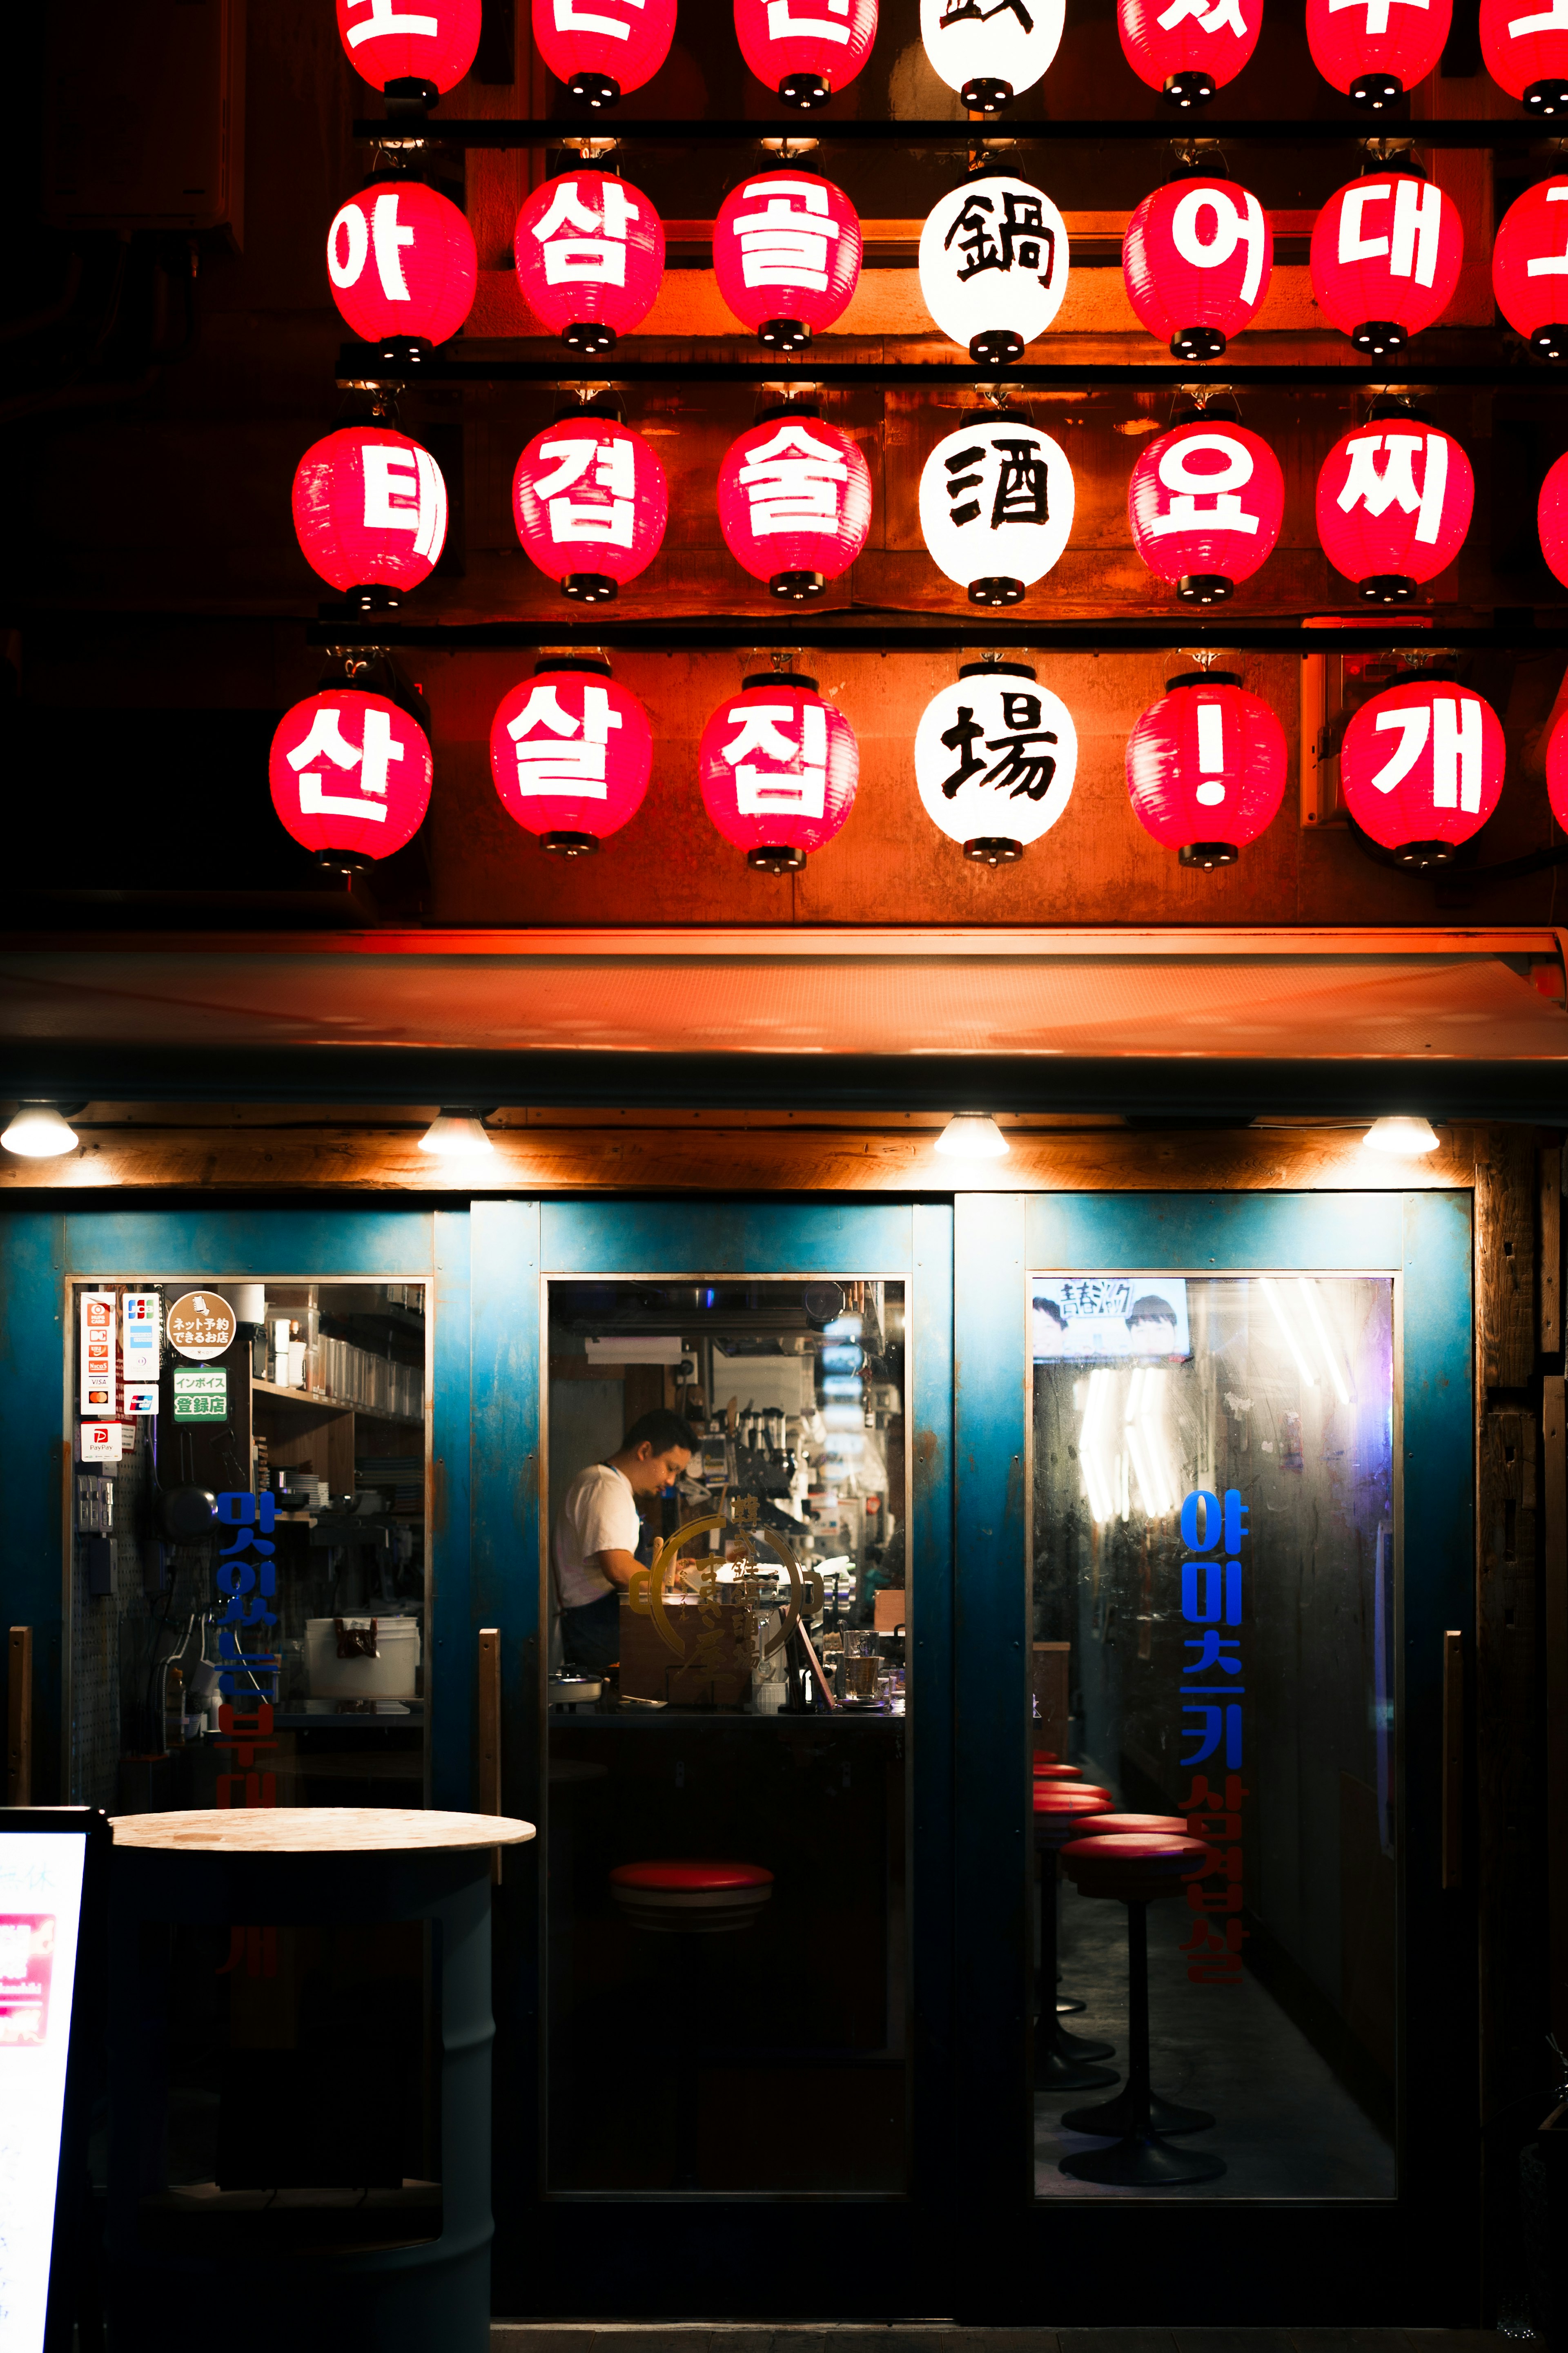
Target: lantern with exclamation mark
(1205,768)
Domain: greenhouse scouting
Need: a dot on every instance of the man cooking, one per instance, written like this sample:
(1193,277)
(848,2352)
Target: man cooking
(595,1544)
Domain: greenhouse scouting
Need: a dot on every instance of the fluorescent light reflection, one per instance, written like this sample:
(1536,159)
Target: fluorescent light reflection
(1123,1446)
(1288,1331)
(1330,1355)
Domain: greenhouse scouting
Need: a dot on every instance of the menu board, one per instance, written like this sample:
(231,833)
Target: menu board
(40,1914)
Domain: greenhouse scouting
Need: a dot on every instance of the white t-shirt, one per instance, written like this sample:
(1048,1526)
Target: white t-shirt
(598,1513)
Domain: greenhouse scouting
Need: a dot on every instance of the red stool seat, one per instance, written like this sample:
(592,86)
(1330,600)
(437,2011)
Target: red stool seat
(688,1897)
(1065,1810)
(1137,1868)
(1058,1772)
(1130,1825)
(1045,1755)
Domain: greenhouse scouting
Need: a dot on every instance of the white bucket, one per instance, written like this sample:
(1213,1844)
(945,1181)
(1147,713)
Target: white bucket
(389,1675)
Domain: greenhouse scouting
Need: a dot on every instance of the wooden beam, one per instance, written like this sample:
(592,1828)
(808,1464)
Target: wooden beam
(19,1717)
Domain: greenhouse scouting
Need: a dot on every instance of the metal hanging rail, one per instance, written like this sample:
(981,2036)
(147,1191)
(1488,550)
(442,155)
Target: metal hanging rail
(856,634)
(519,130)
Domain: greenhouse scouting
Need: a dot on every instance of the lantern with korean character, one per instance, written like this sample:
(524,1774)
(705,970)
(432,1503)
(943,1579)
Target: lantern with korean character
(1375,51)
(786,254)
(1196,262)
(589,251)
(1386,258)
(996,506)
(1187,49)
(1552,518)
(1206,767)
(590,502)
(805,50)
(778,768)
(571,752)
(1394,499)
(411,50)
(1204,506)
(1530,267)
(994,265)
(794,501)
(370,511)
(995,755)
(602,48)
(991,52)
(1421,768)
(402,268)
(1525,46)
(351,776)
(1557,771)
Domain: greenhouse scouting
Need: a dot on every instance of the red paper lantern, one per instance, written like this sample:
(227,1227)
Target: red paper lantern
(794,502)
(1394,499)
(1188,49)
(1530,267)
(412,50)
(1205,505)
(778,768)
(786,253)
(370,509)
(1386,258)
(402,267)
(571,752)
(1206,767)
(1375,50)
(590,502)
(1552,518)
(349,775)
(1421,768)
(602,48)
(1196,262)
(589,250)
(1557,771)
(805,50)
(1525,46)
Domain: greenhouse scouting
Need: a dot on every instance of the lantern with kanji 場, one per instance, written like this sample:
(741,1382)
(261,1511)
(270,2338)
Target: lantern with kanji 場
(402,268)
(1530,267)
(1421,768)
(590,502)
(411,53)
(370,511)
(589,252)
(1395,499)
(1189,48)
(1524,44)
(991,54)
(996,506)
(794,501)
(1376,50)
(1197,261)
(350,774)
(786,255)
(1385,257)
(995,755)
(1204,506)
(1206,767)
(994,265)
(571,752)
(805,50)
(778,768)
(1552,518)
(1557,771)
(602,48)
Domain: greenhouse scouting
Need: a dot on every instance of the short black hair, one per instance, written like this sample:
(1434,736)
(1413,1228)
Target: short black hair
(662,1429)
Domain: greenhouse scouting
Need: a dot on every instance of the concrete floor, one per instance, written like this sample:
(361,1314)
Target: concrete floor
(942,2337)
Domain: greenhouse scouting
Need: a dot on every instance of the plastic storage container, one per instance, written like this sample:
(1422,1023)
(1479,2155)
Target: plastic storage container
(389,1675)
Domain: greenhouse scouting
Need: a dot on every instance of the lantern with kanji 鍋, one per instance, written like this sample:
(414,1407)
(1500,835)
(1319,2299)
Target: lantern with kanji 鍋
(1530,267)
(995,755)
(994,265)
(590,502)
(370,511)
(1375,51)
(1197,261)
(589,252)
(996,506)
(1557,771)
(1421,768)
(571,752)
(349,775)
(1205,768)
(602,48)
(1552,518)
(1204,506)
(402,267)
(411,50)
(786,254)
(1524,44)
(794,501)
(778,768)
(1187,49)
(1395,499)
(1386,258)
(991,54)
(805,50)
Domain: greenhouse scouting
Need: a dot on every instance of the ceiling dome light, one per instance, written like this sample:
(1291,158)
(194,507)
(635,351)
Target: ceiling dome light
(38,1133)
(1402,1138)
(456,1136)
(972,1136)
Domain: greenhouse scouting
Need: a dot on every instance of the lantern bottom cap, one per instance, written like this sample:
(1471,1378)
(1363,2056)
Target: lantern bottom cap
(589,335)
(805,91)
(1197,343)
(1387,588)
(404,351)
(1420,854)
(409,96)
(1195,86)
(796,587)
(784,334)
(1376,90)
(372,596)
(595,90)
(1204,587)
(996,346)
(775,861)
(996,588)
(993,850)
(985,95)
(1547,97)
(569,845)
(590,588)
(343,861)
(1376,336)
(1208,854)
(1550,341)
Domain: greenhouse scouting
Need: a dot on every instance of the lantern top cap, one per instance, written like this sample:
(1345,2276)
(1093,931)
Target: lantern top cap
(607,403)
(597,663)
(1403,160)
(997,670)
(778,404)
(1384,407)
(1203,678)
(781,678)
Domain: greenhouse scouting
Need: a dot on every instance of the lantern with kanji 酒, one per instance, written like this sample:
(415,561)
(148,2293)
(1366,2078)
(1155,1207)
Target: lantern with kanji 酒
(589,253)
(1204,506)
(603,49)
(1196,262)
(350,774)
(996,756)
(994,265)
(1421,768)
(402,268)
(571,752)
(370,513)
(787,256)
(805,50)
(1206,767)
(778,768)
(1386,258)
(1395,499)
(794,501)
(996,506)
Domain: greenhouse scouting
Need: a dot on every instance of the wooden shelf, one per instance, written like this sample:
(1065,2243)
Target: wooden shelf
(325,1404)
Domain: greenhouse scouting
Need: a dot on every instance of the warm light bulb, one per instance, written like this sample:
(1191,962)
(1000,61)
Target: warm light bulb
(38,1133)
(1402,1138)
(972,1135)
(455,1135)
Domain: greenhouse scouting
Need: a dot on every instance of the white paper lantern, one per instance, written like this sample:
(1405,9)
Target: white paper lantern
(994,265)
(996,756)
(989,50)
(996,501)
